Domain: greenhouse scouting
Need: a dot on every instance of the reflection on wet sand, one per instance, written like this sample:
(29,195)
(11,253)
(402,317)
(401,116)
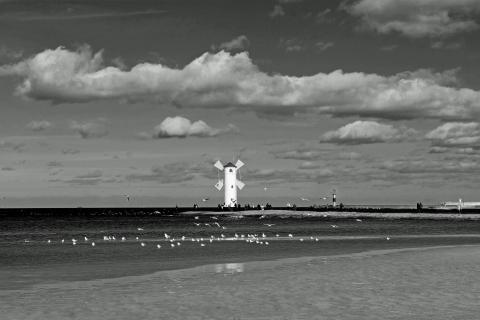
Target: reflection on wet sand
(229,267)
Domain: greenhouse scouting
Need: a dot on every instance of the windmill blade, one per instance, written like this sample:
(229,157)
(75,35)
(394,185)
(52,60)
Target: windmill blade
(239,164)
(240,184)
(218,165)
(219,185)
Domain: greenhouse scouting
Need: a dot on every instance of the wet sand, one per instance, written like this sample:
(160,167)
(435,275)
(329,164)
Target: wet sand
(413,283)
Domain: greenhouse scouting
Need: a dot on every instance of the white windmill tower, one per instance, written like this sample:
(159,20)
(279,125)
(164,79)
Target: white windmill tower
(230,180)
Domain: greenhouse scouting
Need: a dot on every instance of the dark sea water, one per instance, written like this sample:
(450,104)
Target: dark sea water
(212,272)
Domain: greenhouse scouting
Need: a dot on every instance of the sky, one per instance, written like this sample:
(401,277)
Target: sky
(378,99)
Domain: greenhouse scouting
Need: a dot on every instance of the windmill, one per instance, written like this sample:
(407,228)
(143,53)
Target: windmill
(230,181)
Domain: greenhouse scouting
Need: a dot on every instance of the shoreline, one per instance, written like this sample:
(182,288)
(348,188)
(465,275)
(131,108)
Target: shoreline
(341,215)
(322,213)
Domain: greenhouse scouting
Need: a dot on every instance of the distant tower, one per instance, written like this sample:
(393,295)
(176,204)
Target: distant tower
(334,198)
(230,180)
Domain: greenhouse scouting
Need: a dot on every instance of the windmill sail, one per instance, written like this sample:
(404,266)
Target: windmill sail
(240,184)
(219,185)
(239,164)
(218,165)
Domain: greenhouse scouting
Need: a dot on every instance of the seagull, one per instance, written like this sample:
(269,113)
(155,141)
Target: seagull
(123,238)
(49,241)
(93,244)
(202,244)
(290,235)
(143,244)
(304,199)
(205,199)
(388,238)
(140,229)
(86,239)
(265,188)
(197,224)
(334,226)
(269,224)
(127,197)
(358,220)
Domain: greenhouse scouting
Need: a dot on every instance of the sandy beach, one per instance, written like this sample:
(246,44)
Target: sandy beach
(417,283)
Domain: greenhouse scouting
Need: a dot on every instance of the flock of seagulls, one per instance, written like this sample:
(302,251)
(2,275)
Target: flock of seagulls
(171,241)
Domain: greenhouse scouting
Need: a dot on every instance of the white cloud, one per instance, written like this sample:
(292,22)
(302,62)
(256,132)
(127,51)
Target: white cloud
(39,125)
(417,18)
(277,11)
(181,127)
(292,45)
(322,45)
(361,132)
(455,134)
(240,43)
(448,46)
(10,54)
(224,80)
(90,129)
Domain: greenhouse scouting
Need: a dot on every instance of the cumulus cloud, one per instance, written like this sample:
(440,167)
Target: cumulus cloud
(362,132)
(240,43)
(90,129)
(224,80)
(417,18)
(292,45)
(10,54)
(39,125)
(181,127)
(277,11)
(455,134)
(323,45)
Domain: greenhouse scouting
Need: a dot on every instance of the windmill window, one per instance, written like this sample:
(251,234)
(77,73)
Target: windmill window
(232,186)
(231,170)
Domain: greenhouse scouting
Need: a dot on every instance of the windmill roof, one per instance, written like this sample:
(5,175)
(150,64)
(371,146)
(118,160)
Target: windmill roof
(229,165)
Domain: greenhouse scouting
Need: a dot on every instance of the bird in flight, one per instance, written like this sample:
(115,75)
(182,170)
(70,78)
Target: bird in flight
(304,199)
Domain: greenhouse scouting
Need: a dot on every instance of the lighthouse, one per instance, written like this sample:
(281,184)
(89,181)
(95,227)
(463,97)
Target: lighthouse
(334,198)
(230,181)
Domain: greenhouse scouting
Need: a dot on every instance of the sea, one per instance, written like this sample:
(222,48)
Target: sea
(238,267)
